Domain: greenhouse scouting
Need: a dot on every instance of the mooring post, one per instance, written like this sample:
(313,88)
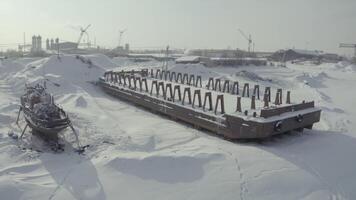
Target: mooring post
(187,90)
(208,97)
(288,97)
(217,83)
(191,79)
(235,88)
(256,91)
(177,89)
(198,81)
(198,94)
(219,99)
(226,86)
(253,103)
(246,90)
(238,105)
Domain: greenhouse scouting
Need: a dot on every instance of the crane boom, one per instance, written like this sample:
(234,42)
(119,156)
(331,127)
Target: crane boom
(82,31)
(248,38)
(244,35)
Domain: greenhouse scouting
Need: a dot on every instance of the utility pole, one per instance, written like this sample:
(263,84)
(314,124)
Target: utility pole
(24,44)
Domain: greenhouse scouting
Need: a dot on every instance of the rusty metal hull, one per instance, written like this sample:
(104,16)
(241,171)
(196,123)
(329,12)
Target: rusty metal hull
(227,125)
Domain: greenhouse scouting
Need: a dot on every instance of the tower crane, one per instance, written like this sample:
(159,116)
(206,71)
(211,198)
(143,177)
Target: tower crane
(248,38)
(82,32)
(121,32)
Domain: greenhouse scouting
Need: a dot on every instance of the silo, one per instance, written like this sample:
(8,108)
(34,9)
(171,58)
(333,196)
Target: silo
(34,44)
(52,44)
(47,44)
(39,43)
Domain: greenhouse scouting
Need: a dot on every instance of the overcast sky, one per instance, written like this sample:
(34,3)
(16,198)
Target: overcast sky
(273,24)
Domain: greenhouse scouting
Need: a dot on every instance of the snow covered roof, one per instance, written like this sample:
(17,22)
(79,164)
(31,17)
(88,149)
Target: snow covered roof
(307,52)
(188,59)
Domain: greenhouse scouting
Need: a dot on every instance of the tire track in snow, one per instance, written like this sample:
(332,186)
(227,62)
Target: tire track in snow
(243,188)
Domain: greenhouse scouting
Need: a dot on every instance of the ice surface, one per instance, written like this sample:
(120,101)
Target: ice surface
(135,154)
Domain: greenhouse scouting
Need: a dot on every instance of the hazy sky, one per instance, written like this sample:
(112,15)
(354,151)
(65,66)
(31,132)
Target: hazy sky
(274,24)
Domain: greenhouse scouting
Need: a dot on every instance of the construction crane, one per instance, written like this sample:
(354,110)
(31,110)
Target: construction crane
(121,32)
(248,38)
(344,45)
(82,32)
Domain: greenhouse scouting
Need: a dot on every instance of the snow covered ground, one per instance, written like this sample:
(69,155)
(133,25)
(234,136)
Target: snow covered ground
(135,154)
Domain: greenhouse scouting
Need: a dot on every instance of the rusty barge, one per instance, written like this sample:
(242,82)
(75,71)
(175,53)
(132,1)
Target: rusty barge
(180,97)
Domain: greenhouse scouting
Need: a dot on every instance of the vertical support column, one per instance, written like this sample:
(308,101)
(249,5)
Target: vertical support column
(246,90)
(198,81)
(177,89)
(144,80)
(154,83)
(253,103)
(161,85)
(169,86)
(185,79)
(179,78)
(280,96)
(288,97)
(217,83)
(266,100)
(152,75)
(198,94)
(235,88)
(238,105)
(191,79)
(163,75)
(256,92)
(167,76)
(173,77)
(220,99)
(134,81)
(158,73)
(211,81)
(139,82)
(268,92)
(226,86)
(187,91)
(208,97)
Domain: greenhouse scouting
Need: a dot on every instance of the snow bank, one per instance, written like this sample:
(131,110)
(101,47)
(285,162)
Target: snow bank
(102,61)
(63,75)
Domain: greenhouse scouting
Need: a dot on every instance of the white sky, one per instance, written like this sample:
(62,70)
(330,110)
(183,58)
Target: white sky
(274,24)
